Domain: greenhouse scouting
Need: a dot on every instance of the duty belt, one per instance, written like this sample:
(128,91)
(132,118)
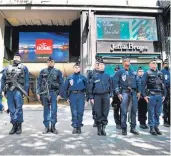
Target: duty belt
(153,92)
(128,90)
(77,91)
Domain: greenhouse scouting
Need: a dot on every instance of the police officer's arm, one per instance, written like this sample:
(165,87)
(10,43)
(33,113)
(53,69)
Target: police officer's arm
(66,86)
(61,83)
(89,73)
(116,83)
(3,80)
(26,79)
(91,88)
(39,80)
(164,87)
(144,81)
(86,87)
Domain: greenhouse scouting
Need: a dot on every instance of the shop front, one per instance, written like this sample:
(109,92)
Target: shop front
(132,36)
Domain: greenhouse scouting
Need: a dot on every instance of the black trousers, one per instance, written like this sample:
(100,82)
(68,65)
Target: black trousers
(142,111)
(166,108)
(116,104)
(101,107)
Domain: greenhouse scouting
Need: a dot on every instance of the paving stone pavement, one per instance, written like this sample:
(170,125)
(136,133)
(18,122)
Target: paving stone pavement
(33,142)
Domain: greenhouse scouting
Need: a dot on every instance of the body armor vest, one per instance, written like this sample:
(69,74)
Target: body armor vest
(155,80)
(17,74)
(51,78)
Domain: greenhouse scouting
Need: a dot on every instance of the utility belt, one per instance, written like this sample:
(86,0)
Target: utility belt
(77,91)
(127,90)
(154,93)
(101,93)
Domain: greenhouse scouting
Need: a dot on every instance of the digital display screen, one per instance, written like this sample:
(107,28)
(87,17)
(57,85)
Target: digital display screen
(38,46)
(122,28)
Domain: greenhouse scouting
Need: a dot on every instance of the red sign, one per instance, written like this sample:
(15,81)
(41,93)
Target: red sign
(44,46)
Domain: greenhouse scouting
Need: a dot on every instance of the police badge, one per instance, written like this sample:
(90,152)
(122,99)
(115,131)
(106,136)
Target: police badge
(71,82)
(123,77)
(166,77)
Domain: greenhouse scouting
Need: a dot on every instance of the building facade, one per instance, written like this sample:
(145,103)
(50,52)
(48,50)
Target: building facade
(73,29)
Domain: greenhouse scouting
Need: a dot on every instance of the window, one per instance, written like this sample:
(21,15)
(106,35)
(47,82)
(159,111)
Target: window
(126,28)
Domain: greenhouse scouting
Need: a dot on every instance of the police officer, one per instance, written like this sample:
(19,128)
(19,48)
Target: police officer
(15,83)
(74,93)
(49,89)
(100,90)
(153,81)
(126,89)
(89,77)
(166,103)
(116,104)
(142,104)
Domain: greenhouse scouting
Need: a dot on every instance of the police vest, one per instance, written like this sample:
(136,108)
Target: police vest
(155,80)
(51,77)
(15,73)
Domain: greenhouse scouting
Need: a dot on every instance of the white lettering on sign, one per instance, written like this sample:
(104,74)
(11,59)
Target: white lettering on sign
(129,46)
(43,46)
(15,1)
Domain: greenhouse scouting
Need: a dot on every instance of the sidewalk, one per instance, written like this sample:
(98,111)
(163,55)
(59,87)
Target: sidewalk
(33,142)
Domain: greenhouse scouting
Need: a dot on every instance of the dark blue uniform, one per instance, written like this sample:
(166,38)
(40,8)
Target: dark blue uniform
(19,73)
(90,74)
(53,78)
(74,91)
(154,88)
(126,84)
(142,105)
(100,90)
(166,103)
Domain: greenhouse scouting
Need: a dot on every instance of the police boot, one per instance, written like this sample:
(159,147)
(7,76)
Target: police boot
(152,131)
(118,126)
(158,131)
(53,129)
(99,130)
(46,130)
(19,128)
(103,130)
(134,131)
(166,123)
(74,131)
(14,129)
(79,130)
(94,125)
(124,131)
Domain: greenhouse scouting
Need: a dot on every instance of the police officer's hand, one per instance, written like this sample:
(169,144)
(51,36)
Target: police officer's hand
(68,101)
(163,98)
(146,99)
(58,97)
(120,97)
(92,101)
(138,95)
(38,97)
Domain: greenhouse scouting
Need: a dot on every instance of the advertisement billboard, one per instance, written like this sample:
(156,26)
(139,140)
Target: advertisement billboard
(38,46)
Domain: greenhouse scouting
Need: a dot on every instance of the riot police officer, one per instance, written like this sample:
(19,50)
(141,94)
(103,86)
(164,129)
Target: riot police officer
(15,83)
(100,89)
(126,89)
(74,93)
(155,92)
(49,89)
(166,103)
(142,104)
(116,104)
(89,77)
